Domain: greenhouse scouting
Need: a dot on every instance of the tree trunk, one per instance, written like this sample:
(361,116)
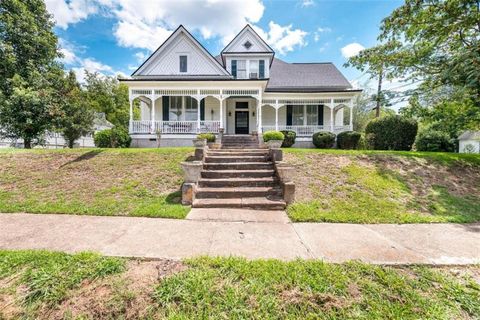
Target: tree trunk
(71,142)
(27,143)
(379,92)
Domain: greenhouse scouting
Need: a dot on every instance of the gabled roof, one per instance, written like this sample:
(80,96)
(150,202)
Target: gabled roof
(470,135)
(263,46)
(179,30)
(306,77)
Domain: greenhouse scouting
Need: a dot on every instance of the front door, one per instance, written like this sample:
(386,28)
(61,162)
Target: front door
(241,122)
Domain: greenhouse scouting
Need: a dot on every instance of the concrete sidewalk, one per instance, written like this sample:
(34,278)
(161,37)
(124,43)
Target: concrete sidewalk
(165,238)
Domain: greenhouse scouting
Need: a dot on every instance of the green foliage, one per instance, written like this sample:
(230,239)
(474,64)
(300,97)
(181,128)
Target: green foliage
(48,276)
(273,135)
(107,95)
(433,140)
(116,137)
(210,137)
(348,140)
(76,119)
(391,133)
(289,138)
(323,140)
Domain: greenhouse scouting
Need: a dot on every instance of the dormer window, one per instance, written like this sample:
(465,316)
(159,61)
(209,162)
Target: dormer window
(247,45)
(183,63)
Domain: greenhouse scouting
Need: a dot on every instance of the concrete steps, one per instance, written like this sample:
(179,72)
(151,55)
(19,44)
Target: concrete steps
(239,175)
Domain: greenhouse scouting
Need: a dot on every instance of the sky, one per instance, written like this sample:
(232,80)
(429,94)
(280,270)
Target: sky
(115,36)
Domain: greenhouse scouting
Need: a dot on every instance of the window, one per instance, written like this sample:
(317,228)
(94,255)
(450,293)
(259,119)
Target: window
(253,69)
(175,108)
(190,109)
(241,69)
(312,115)
(261,73)
(183,63)
(297,115)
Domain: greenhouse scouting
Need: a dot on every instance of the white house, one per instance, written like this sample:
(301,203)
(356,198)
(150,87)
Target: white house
(184,90)
(469,142)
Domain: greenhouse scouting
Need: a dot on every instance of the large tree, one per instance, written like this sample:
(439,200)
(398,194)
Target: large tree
(28,70)
(76,118)
(436,42)
(105,94)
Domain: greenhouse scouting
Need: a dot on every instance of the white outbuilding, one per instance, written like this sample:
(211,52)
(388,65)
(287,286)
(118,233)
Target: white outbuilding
(469,142)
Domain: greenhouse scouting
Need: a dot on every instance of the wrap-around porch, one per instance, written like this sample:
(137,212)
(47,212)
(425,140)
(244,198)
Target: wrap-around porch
(236,111)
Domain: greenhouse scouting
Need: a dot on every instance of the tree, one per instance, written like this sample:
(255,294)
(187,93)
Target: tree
(28,49)
(76,119)
(105,94)
(433,41)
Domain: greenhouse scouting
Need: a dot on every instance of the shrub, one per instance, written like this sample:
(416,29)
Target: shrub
(116,137)
(210,137)
(323,140)
(348,140)
(289,138)
(434,140)
(272,135)
(391,133)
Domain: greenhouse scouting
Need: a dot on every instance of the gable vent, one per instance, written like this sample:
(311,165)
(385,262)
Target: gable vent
(247,44)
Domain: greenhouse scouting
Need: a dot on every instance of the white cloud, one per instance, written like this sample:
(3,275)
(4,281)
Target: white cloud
(68,51)
(316,34)
(307,3)
(92,65)
(324,47)
(141,56)
(352,49)
(283,39)
(65,13)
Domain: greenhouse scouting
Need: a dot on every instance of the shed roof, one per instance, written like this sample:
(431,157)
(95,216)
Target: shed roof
(470,135)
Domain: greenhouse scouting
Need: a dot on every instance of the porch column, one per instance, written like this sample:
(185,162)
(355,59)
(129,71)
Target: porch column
(198,112)
(221,112)
(259,113)
(276,115)
(350,104)
(331,115)
(130,123)
(152,111)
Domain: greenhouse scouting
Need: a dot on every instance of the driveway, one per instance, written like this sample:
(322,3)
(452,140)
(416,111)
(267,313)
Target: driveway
(272,238)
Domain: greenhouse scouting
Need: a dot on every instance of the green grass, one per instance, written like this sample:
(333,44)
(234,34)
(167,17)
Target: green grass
(384,187)
(134,182)
(45,284)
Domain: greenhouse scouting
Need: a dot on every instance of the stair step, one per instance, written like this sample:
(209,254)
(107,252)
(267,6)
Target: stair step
(253,203)
(239,166)
(218,174)
(229,159)
(234,152)
(238,182)
(238,192)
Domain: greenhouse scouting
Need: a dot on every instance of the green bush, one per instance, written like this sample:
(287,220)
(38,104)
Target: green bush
(210,137)
(391,133)
(348,140)
(289,138)
(273,135)
(116,137)
(434,140)
(323,140)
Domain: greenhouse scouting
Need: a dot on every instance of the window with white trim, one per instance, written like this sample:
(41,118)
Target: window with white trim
(183,63)
(175,109)
(253,69)
(297,115)
(312,115)
(190,109)
(241,69)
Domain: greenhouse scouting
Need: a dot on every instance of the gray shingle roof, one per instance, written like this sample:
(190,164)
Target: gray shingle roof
(470,135)
(306,77)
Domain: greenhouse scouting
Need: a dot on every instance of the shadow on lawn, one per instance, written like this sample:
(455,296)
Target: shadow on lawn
(86,156)
(174,197)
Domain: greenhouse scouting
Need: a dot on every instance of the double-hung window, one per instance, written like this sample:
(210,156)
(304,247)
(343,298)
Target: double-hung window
(297,115)
(241,69)
(312,115)
(254,69)
(175,109)
(190,109)
(183,109)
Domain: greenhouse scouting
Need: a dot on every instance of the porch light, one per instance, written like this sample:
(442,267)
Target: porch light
(253,114)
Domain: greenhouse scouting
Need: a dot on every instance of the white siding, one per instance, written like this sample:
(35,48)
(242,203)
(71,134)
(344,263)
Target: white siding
(212,104)
(168,62)
(247,35)
(266,58)
(464,143)
(231,119)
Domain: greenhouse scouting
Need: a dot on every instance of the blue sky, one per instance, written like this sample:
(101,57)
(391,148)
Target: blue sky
(115,36)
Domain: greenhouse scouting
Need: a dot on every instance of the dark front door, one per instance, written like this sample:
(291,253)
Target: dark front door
(241,122)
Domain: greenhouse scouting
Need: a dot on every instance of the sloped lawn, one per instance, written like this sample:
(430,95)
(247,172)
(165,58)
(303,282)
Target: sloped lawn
(384,187)
(127,182)
(50,285)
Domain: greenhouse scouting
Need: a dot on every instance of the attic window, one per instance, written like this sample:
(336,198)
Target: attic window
(247,45)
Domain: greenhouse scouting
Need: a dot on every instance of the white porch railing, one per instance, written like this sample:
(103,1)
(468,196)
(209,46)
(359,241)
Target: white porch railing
(173,127)
(308,130)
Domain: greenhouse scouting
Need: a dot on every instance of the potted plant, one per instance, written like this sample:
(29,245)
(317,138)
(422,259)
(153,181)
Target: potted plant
(273,139)
(209,137)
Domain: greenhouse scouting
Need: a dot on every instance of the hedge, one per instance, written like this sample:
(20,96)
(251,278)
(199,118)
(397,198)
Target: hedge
(391,133)
(434,140)
(272,135)
(348,140)
(323,140)
(289,138)
(116,137)
(210,137)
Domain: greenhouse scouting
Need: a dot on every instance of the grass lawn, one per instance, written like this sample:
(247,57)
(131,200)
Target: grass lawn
(40,285)
(384,186)
(130,182)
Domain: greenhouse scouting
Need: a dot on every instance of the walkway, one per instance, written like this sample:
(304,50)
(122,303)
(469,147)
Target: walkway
(164,238)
